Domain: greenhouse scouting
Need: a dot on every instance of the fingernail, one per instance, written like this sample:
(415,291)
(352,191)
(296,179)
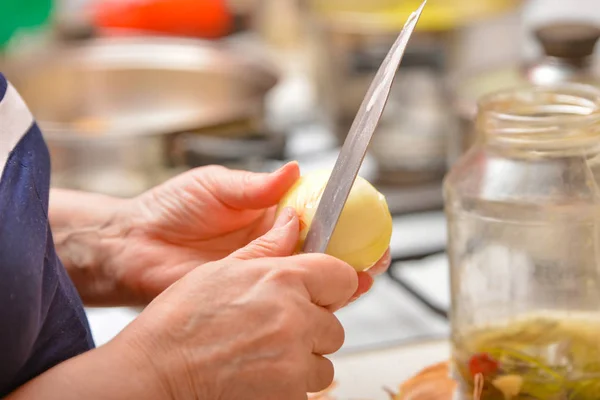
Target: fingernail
(284,217)
(387,260)
(365,282)
(263,175)
(278,170)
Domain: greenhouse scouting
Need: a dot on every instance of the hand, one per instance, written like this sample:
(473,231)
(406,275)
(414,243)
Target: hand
(255,325)
(151,241)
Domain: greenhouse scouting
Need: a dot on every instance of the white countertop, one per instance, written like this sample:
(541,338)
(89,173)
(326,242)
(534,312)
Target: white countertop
(364,376)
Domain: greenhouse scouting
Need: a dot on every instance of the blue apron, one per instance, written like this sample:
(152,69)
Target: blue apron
(42,320)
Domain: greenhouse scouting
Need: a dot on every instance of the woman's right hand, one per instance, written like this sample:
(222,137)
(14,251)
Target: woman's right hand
(255,325)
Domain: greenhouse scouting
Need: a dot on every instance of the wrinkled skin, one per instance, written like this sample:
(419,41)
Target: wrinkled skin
(198,217)
(257,324)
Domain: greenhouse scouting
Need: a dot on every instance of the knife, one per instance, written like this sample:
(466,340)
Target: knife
(353,151)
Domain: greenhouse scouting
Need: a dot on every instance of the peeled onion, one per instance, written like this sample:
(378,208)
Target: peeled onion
(364,230)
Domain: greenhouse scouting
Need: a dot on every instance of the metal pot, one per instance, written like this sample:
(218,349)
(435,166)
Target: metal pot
(112,109)
(352,38)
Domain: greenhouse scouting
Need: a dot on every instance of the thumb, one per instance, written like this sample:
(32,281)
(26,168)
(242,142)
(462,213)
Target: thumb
(280,241)
(243,190)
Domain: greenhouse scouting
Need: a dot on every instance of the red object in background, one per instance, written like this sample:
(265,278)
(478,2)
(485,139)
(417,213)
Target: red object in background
(197,18)
(483,364)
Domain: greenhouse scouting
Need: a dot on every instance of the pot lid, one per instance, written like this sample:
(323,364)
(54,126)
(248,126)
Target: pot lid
(568,40)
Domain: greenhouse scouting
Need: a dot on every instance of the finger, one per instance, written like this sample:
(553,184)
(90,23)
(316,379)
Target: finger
(320,374)
(280,241)
(367,279)
(245,190)
(365,283)
(328,332)
(329,282)
(382,265)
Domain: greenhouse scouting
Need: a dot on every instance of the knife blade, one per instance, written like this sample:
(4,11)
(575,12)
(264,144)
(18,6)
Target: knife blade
(355,146)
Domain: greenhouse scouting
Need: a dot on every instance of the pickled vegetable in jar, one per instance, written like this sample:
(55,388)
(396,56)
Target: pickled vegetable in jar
(523,209)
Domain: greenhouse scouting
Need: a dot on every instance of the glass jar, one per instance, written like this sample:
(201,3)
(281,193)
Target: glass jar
(523,209)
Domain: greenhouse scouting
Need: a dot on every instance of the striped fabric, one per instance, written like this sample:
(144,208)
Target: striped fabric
(42,320)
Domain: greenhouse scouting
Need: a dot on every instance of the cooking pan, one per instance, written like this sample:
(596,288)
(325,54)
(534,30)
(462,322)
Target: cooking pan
(111,109)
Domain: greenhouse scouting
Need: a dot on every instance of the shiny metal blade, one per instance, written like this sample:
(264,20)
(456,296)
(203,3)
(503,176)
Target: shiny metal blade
(355,147)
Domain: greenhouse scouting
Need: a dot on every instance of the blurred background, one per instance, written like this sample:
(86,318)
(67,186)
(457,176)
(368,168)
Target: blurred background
(131,92)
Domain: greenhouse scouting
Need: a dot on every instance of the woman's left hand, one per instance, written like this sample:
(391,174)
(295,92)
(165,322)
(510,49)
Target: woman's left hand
(200,216)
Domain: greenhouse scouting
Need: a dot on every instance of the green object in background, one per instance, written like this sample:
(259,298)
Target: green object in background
(22,14)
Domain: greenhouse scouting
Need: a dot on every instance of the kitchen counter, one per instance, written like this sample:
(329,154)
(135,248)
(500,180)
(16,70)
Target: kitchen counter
(365,375)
